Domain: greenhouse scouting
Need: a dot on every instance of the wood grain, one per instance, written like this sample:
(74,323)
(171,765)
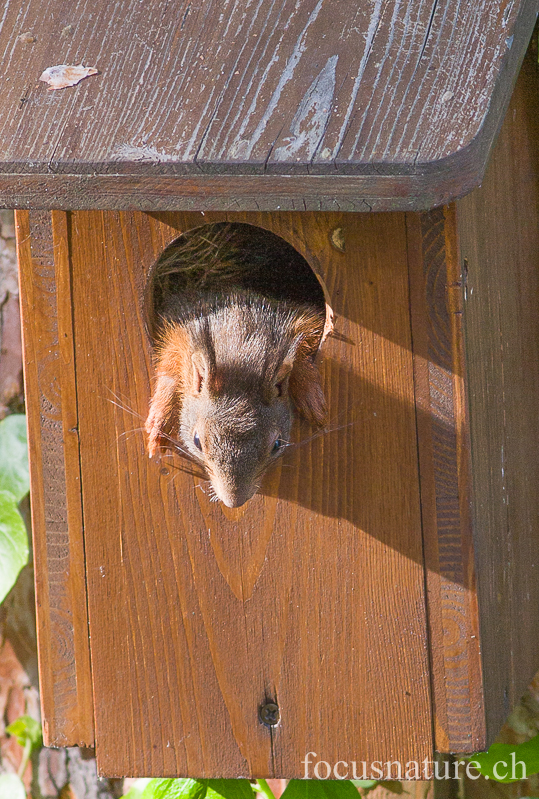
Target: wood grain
(362,193)
(499,246)
(309,595)
(64,655)
(444,452)
(413,91)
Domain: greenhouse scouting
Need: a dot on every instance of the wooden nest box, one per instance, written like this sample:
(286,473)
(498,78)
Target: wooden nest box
(382,587)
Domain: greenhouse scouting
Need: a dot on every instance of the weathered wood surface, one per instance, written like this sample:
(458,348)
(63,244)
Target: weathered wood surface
(412,92)
(64,653)
(226,193)
(499,244)
(312,595)
(443,446)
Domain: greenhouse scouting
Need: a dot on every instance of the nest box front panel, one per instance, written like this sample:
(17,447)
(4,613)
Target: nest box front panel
(311,596)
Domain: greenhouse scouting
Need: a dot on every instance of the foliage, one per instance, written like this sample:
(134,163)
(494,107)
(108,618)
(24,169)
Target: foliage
(243,789)
(14,485)
(136,790)
(320,789)
(191,789)
(14,476)
(27,731)
(502,762)
(13,543)
(11,787)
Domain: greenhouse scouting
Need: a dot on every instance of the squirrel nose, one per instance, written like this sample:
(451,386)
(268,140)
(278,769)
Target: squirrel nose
(236,500)
(232,496)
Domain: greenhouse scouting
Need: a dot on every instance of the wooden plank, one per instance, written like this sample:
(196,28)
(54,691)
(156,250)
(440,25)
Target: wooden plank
(311,595)
(436,303)
(361,193)
(64,654)
(499,246)
(390,87)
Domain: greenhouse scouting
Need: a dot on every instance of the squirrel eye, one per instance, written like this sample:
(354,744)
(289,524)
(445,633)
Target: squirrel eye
(196,439)
(277,444)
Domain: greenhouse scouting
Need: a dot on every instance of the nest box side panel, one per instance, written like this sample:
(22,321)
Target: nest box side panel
(49,377)
(499,247)
(444,452)
(312,595)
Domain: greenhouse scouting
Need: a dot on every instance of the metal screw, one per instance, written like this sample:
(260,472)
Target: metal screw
(269,714)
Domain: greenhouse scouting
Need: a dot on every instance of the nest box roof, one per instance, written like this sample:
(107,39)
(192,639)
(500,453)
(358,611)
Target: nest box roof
(254,104)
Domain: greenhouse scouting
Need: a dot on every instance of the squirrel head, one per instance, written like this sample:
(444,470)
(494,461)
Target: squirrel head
(235,436)
(228,399)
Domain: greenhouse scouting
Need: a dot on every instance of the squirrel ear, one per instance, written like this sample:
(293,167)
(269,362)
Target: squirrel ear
(200,372)
(280,376)
(306,392)
(158,423)
(171,359)
(305,384)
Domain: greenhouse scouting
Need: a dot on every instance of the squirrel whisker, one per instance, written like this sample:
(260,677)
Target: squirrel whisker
(322,432)
(131,432)
(184,468)
(123,407)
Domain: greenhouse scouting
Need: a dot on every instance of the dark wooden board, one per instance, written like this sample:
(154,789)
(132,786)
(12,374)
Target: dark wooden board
(313,594)
(49,377)
(412,91)
(444,453)
(361,193)
(499,247)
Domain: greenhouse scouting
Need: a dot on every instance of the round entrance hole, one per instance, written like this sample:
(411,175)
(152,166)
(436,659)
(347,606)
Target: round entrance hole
(236,316)
(225,256)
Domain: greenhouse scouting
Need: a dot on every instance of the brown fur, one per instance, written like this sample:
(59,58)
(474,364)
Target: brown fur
(226,371)
(172,360)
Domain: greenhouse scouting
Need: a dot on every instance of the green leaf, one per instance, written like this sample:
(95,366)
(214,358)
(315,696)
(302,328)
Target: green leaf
(503,762)
(339,789)
(14,475)
(175,789)
(229,789)
(367,785)
(13,542)
(137,789)
(11,787)
(304,789)
(321,789)
(197,789)
(25,728)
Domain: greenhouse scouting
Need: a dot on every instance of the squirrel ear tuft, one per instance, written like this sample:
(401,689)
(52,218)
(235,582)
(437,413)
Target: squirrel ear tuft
(159,422)
(306,392)
(305,383)
(280,376)
(200,372)
(171,362)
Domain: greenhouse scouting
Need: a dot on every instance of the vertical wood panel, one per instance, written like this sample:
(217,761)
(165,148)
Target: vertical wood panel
(436,302)
(499,245)
(64,656)
(312,595)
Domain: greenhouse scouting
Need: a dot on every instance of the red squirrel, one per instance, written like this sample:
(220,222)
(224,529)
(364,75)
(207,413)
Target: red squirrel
(230,364)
